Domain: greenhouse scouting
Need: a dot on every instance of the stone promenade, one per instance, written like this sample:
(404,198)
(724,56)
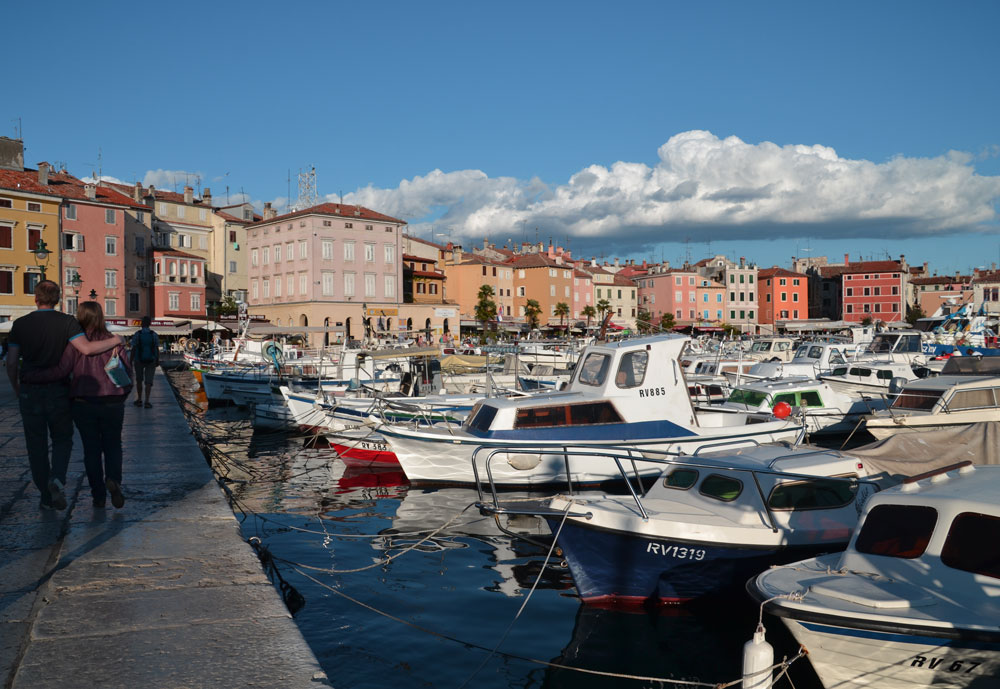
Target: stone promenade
(163,593)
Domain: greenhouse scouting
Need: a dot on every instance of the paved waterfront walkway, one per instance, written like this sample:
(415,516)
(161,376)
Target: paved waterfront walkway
(162,593)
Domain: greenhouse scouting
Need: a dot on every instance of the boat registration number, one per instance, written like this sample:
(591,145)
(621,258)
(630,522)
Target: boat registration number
(677,551)
(959,667)
(652,392)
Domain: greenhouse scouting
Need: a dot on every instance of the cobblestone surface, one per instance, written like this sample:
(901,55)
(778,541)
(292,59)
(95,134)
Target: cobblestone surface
(161,593)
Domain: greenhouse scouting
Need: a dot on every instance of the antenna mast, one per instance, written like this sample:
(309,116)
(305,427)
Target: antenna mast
(308,196)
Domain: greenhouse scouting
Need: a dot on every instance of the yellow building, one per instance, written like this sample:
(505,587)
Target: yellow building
(29,212)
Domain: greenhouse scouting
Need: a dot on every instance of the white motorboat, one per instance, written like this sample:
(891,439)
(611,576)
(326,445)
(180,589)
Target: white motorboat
(824,409)
(873,377)
(708,522)
(810,360)
(940,402)
(914,601)
(631,392)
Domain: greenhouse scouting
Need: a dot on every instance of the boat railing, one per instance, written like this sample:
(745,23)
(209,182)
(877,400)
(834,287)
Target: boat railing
(634,482)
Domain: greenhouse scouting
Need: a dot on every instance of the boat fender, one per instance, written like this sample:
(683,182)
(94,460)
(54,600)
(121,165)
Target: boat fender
(524,462)
(758,658)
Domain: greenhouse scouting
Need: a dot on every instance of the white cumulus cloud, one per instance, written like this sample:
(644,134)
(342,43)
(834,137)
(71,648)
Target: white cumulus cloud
(704,184)
(172,180)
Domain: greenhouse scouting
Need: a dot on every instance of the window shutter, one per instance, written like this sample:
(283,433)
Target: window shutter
(79,243)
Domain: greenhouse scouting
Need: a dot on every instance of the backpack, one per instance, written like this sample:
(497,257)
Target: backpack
(147,346)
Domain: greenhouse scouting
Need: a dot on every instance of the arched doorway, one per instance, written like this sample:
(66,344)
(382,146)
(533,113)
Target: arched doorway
(304,320)
(326,335)
(409,327)
(388,326)
(445,328)
(347,329)
(428,335)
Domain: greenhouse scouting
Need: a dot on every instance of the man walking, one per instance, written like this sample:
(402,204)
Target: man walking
(36,342)
(145,358)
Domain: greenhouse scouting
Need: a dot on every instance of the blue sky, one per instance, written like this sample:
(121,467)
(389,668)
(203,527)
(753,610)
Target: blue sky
(636,129)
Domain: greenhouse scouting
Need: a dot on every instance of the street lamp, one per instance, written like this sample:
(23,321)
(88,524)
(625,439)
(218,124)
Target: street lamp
(93,295)
(76,283)
(42,256)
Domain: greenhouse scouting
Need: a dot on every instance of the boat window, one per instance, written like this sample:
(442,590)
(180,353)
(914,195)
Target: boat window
(882,374)
(594,369)
(966,547)
(897,530)
(916,399)
(815,352)
(836,357)
(761,347)
(782,346)
(681,479)
(481,417)
(632,369)
(841,371)
(751,398)
(567,415)
(810,398)
(821,493)
(863,372)
(721,487)
(972,399)
(786,397)
(803,352)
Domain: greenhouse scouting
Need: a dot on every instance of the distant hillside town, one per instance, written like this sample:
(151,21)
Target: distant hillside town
(330,267)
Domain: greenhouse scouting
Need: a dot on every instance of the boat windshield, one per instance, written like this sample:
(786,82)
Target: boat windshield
(917,400)
(761,347)
(897,530)
(594,369)
(750,398)
(809,352)
(964,548)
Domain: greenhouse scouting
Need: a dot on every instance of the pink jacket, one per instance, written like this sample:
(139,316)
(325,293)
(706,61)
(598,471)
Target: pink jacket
(89,378)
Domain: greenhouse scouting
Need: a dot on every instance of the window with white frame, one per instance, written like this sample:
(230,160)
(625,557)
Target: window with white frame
(203,242)
(195,301)
(290,251)
(552,272)
(253,289)
(348,284)
(290,285)
(552,290)
(265,253)
(202,214)
(303,284)
(390,286)
(369,253)
(390,253)
(184,268)
(266,288)
(232,266)
(277,286)
(348,251)
(163,209)
(109,216)
(111,246)
(369,284)
(328,284)
(181,211)
(110,307)
(303,249)
(73,241)
(520,291)
(174,301)
(327,249)
(110,278)
(277,253)
(71,211)
(253,258)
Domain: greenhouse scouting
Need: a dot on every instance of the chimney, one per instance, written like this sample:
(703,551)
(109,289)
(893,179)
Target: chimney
(152,190)
(616,262)
(357,211)
(269,212)
(456,254)
(43,174)
(11,154)
(206,196)
(188,195)
(847,259)
(593,261)
(90,191)
(137,192)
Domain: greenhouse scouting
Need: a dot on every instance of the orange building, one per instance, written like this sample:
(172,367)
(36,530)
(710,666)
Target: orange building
(547,280)
(783,295)
(467,273)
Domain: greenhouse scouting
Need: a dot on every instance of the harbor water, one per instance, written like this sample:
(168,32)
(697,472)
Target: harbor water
(395,585)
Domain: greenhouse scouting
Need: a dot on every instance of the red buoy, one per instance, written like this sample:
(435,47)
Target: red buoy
(782,410)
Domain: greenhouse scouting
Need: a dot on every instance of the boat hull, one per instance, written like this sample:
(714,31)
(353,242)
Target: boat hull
(625,569)
(855,658)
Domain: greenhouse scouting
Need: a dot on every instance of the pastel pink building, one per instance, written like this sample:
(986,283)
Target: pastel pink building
(670,290)
(178,284)
(323,265)
(93,246)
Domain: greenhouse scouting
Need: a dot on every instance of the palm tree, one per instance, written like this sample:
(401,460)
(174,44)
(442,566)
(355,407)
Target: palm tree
(531,311)
(486,308)
(667,321)
(589,312)
(561,310)
(644,321)
(603,307)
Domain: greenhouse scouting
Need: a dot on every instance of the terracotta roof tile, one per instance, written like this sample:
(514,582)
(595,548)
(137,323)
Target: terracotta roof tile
(339,210)
(64,185)
(776,271)
(178,254)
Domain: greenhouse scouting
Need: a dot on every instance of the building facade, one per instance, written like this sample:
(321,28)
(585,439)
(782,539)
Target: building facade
(784,297)
(178,285)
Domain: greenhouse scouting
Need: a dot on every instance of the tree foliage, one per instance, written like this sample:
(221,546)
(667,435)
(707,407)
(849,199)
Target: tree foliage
(531,311)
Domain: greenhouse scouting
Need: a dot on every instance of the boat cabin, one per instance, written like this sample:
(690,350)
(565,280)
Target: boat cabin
(945,394)
(773,348)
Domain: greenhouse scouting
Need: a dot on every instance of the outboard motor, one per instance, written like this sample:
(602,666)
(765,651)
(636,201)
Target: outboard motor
(896,385)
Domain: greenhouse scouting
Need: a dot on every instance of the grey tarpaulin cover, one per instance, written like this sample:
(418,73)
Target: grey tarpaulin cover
(914,452)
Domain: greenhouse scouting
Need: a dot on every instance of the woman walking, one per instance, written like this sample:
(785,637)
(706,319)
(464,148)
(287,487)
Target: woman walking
(98,406)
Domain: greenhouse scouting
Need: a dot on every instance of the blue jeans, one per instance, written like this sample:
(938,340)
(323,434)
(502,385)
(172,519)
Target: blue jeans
(45,413)
(100,426)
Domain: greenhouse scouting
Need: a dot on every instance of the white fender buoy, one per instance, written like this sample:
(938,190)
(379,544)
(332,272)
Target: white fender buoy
(758,657)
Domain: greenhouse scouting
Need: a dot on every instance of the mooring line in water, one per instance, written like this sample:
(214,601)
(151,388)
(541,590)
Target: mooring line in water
(783,665)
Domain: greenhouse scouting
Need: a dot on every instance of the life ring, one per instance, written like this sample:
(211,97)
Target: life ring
(192,345)
(272,351)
